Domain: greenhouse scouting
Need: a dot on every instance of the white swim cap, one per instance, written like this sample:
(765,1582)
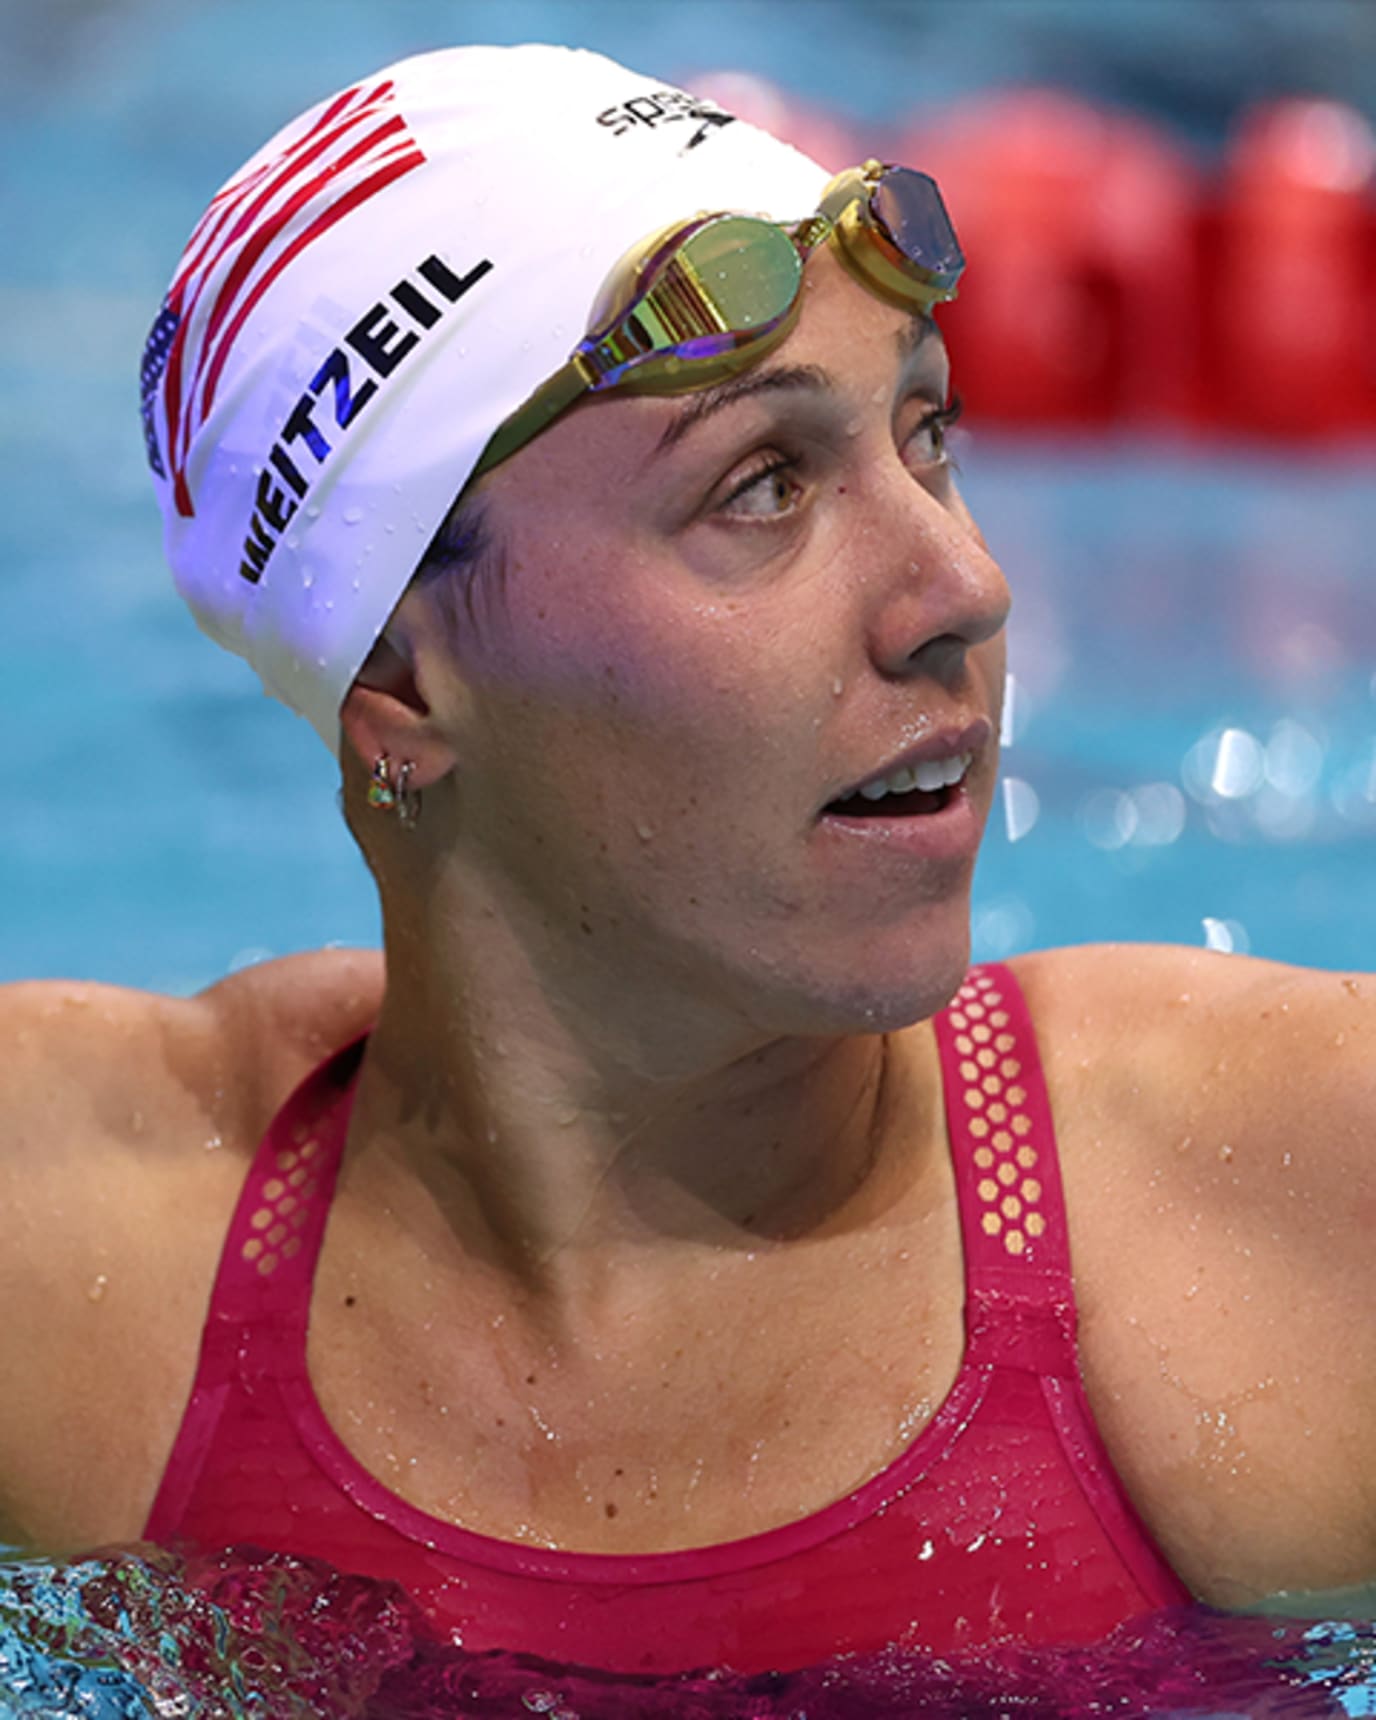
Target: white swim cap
(372,295)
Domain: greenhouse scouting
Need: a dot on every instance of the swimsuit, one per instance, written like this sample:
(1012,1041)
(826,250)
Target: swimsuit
(1003,1519)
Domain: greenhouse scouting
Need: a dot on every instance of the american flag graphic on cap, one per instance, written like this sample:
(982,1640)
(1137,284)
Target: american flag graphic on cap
(260,221)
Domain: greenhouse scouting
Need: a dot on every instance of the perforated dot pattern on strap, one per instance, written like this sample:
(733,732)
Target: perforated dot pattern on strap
(285,1204)
(991,1090)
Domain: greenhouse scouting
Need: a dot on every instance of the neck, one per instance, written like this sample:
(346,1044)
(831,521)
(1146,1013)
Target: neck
(563,1136)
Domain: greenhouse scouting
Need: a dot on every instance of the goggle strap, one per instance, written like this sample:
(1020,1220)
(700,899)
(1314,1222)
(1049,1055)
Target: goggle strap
(551,398)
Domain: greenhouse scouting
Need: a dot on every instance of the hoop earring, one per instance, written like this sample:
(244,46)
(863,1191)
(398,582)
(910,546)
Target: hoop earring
(398,796)
(407,798)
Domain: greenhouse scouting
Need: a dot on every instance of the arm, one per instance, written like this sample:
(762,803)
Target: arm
(1218,1125)
(126,1123)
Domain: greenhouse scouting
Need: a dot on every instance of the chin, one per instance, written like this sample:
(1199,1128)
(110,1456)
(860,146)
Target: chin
(900,981)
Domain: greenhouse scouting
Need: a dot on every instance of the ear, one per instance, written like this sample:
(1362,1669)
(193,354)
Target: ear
(386,711)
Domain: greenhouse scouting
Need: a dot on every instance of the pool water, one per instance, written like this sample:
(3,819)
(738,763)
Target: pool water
(130,1635)
(1192,754)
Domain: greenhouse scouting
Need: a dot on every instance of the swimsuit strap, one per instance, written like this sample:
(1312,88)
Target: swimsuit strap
(1019,1297)
(274,1238)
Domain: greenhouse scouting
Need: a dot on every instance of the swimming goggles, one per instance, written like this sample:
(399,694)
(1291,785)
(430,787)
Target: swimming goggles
(702,300)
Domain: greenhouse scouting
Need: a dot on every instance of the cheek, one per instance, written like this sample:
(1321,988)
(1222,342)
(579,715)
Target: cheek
(624,648)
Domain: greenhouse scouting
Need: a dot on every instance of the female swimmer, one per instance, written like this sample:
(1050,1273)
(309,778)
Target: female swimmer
(661,1254)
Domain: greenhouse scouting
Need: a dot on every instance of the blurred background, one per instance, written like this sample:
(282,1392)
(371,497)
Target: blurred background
(1167,348)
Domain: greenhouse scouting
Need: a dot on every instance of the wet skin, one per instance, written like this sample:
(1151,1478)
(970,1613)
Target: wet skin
(648,1147)
(679,668)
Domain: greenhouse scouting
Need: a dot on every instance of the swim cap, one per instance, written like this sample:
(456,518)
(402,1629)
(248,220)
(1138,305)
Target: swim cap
(371,295)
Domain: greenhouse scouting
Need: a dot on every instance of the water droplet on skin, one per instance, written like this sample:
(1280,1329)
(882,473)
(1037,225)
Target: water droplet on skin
(645,832)
(97,1287)
(213,1142)
(307,578)
(838,686)
(1225,1152)
(352,516)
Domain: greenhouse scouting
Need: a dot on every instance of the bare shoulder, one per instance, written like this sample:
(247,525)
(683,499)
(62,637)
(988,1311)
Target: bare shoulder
(1263,1051)
(127,1120)
(87,1061)
(1216,1117)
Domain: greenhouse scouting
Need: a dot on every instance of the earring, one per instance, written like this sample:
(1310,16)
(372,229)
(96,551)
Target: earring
(381,793)
(398,796)
(407,798)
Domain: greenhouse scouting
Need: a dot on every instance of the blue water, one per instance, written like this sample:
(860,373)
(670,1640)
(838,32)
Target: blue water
(138,1634)
(167,823)
(170,822)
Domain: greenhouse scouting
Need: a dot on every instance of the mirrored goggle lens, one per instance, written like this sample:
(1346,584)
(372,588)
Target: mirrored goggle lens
(909,208)
(725,284)
(749,269)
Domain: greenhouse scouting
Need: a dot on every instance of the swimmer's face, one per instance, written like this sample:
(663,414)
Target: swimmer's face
(718,614)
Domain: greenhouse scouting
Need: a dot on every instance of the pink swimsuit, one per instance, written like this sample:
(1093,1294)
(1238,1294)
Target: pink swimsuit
(1002,1519)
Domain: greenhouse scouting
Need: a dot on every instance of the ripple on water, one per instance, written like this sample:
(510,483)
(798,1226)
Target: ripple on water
(141,1633)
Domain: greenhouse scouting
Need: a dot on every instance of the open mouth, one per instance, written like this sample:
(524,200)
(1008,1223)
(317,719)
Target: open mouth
(913,803)
(915,791)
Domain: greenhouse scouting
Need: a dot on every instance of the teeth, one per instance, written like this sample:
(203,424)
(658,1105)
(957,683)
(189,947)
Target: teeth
(937,773)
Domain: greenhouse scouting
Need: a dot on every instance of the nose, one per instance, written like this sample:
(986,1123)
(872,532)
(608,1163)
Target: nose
(943,593)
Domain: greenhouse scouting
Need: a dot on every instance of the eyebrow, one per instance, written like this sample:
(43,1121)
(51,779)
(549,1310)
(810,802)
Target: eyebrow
(710,401)
(714,400)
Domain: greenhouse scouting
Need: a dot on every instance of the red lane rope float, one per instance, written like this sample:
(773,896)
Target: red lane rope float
(1113,281)
(1291,329)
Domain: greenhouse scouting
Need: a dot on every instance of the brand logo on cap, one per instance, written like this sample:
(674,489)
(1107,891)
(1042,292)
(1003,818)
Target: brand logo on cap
(665,107)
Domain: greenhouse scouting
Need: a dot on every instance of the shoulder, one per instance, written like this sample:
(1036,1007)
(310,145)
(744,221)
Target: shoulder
(113,1211)
(1215,1117)
(1234,1096)
(1278,1049)
(86,1060)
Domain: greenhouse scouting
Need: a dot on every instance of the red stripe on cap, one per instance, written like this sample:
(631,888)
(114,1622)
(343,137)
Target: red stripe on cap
(360,193)
(239,217)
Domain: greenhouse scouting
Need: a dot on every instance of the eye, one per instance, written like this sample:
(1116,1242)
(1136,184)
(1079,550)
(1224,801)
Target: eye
(928,438)
(767,492)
